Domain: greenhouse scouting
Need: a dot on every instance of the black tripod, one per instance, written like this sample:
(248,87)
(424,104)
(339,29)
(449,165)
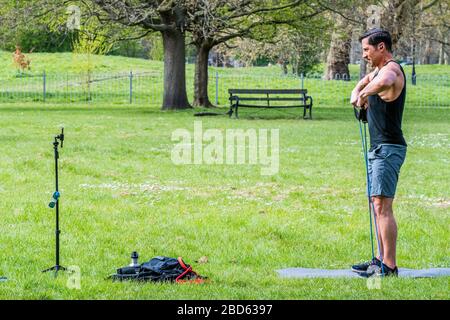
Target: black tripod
(55,203)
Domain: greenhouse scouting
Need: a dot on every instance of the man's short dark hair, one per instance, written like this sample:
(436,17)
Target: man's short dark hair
(377,36)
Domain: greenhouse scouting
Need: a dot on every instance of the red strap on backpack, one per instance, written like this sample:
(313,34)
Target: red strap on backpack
(186,271)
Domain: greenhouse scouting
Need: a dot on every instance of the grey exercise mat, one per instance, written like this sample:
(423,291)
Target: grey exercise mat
(347,273)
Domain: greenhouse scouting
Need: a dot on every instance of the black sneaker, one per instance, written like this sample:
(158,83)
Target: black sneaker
(376,271)
(362,267)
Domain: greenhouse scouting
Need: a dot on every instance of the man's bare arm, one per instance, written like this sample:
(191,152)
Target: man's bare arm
(382,82)
(362,83)
(360,86)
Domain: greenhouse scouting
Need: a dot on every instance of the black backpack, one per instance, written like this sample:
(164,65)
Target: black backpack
(159,269)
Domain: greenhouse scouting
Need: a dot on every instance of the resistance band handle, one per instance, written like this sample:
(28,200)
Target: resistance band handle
(360,114)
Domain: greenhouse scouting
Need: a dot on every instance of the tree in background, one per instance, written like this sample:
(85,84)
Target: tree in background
(396,16)
(216,22)
(148,47)
(89,39)
(338,57)
(210,22)
(427,32)
(297,47)
(348,17)
(169,17)
(435,26)
(23,23)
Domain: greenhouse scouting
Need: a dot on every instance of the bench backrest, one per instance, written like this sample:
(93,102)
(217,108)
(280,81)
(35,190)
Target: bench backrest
(267,91)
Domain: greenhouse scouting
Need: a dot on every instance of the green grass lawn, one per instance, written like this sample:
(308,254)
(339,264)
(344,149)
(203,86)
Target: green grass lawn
(121,192)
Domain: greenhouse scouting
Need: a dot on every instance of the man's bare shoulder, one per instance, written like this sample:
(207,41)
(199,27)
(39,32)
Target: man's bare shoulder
(392,67)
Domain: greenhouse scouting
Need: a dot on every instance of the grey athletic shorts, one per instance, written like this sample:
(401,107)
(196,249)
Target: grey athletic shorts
(385,162)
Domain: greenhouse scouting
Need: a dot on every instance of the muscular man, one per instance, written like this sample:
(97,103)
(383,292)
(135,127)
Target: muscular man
(383,94)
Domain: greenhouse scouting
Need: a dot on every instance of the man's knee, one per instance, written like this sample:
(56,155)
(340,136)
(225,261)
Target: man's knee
(383,206)
(377,205)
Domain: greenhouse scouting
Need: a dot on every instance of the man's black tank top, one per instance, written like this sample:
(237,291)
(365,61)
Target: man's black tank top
(385,118)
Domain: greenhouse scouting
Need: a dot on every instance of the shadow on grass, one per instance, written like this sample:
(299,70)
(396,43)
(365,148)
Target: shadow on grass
(319,114)
(344,114)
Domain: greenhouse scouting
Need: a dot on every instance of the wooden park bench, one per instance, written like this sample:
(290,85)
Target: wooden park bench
(262,98)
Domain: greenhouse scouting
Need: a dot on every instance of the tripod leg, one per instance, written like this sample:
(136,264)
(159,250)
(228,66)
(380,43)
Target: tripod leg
(59,268)
(56,269)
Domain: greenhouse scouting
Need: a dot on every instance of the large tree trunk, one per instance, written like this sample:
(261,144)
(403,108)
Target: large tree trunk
(339,54)
(427,57)
(175,96)
(441,54)
(444,52)
(396,16)
(284,67)
(201,98)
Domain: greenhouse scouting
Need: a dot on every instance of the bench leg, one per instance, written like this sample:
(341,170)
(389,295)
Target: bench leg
(310,112)
(310,107)
(230,112)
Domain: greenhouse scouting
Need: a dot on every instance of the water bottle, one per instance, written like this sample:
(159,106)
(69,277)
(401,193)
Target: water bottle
(134,259)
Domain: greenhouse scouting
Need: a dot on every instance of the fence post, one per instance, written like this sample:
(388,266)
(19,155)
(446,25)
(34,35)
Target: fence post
(217,87)
(44,80)
(131,86)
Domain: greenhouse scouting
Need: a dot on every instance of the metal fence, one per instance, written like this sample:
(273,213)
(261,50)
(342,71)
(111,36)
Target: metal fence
(147,88)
